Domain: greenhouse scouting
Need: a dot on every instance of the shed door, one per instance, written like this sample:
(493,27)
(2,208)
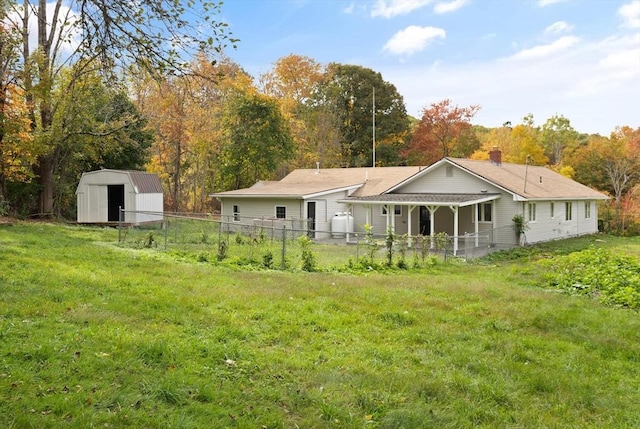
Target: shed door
(115,200)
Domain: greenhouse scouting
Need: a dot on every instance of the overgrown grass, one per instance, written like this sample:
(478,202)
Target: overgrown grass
(95,335)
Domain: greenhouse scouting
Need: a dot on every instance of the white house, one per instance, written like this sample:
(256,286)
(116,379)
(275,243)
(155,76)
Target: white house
(102,193)
(474,200)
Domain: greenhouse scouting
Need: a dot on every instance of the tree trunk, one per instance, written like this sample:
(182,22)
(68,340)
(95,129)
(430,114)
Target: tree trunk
(44,171)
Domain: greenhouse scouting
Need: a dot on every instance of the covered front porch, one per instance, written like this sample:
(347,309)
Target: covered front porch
(426,214)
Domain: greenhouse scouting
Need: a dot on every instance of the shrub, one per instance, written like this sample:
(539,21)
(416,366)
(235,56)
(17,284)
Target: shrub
(614,279)
(309,262)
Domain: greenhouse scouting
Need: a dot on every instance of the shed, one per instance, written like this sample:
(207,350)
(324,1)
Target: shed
(102,193)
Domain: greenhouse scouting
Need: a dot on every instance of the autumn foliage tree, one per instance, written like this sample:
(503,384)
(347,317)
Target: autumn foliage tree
(440,132)
(612,165)
(158,35)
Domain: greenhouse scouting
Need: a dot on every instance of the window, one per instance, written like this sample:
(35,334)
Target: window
(532,212)
(568,211)
(484,212)
(281,212)
(397,210)
(553,210)
(236,214)
(587,210)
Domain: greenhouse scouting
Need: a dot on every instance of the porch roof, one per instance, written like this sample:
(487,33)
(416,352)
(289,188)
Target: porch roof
(424,199)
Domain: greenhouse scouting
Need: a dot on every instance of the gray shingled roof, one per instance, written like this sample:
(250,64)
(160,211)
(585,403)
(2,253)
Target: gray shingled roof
(302,182)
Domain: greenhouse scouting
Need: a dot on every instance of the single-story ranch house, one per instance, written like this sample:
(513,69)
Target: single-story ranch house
(461,197)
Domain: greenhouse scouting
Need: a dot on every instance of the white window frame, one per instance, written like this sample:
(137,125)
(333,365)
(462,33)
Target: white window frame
(482,212)
(532,212)
(236,213)
(397,210)
(284,208)
(587,209)
(568,211)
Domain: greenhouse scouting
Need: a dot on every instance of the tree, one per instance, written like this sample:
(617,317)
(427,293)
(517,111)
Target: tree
(557,136)
(186,115)
(156,34)
(295,81)
(611,165)
(439,132)
(17,147)
(349,91)
(518,144)
(93,126)
(258,140)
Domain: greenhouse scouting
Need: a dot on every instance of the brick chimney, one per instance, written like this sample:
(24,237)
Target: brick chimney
(495,156)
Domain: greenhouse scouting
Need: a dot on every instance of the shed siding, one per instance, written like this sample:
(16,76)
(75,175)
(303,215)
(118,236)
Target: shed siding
(92,197)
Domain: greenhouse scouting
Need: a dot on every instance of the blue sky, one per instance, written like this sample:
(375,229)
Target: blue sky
(576,58)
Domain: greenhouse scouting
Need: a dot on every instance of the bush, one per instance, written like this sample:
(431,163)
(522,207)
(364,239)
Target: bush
(614,279)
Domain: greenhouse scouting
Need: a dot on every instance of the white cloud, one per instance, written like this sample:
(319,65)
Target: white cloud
(412,39)
(349,9)
(543,3)
(596,85)
(452,6)
(558,27)
(630,14)
(391,8)
(542,51)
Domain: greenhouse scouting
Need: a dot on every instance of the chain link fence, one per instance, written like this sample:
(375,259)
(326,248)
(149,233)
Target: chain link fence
(286,243)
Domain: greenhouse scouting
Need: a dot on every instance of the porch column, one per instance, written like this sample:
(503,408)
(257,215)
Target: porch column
(454,209)
(367,215)
(393,217)
(409,211)
(432,223)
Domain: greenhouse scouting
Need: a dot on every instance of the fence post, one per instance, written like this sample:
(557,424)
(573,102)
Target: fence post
(284,247)
(165,223)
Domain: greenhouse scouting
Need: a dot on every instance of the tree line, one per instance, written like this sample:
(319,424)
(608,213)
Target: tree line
(108,86)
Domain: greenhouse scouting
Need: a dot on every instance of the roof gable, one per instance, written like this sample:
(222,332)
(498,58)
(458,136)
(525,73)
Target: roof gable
(522,181)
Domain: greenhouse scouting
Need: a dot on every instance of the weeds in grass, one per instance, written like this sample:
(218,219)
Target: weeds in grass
(96,335)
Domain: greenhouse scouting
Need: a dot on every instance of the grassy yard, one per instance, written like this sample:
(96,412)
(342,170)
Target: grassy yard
(97,335)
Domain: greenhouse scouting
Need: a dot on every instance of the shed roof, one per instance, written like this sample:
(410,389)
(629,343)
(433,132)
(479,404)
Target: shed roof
(143,182)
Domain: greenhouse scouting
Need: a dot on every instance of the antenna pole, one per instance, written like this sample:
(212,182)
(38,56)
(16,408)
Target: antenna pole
(373,117)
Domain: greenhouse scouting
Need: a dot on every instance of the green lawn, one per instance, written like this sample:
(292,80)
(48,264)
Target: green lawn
(93,334)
